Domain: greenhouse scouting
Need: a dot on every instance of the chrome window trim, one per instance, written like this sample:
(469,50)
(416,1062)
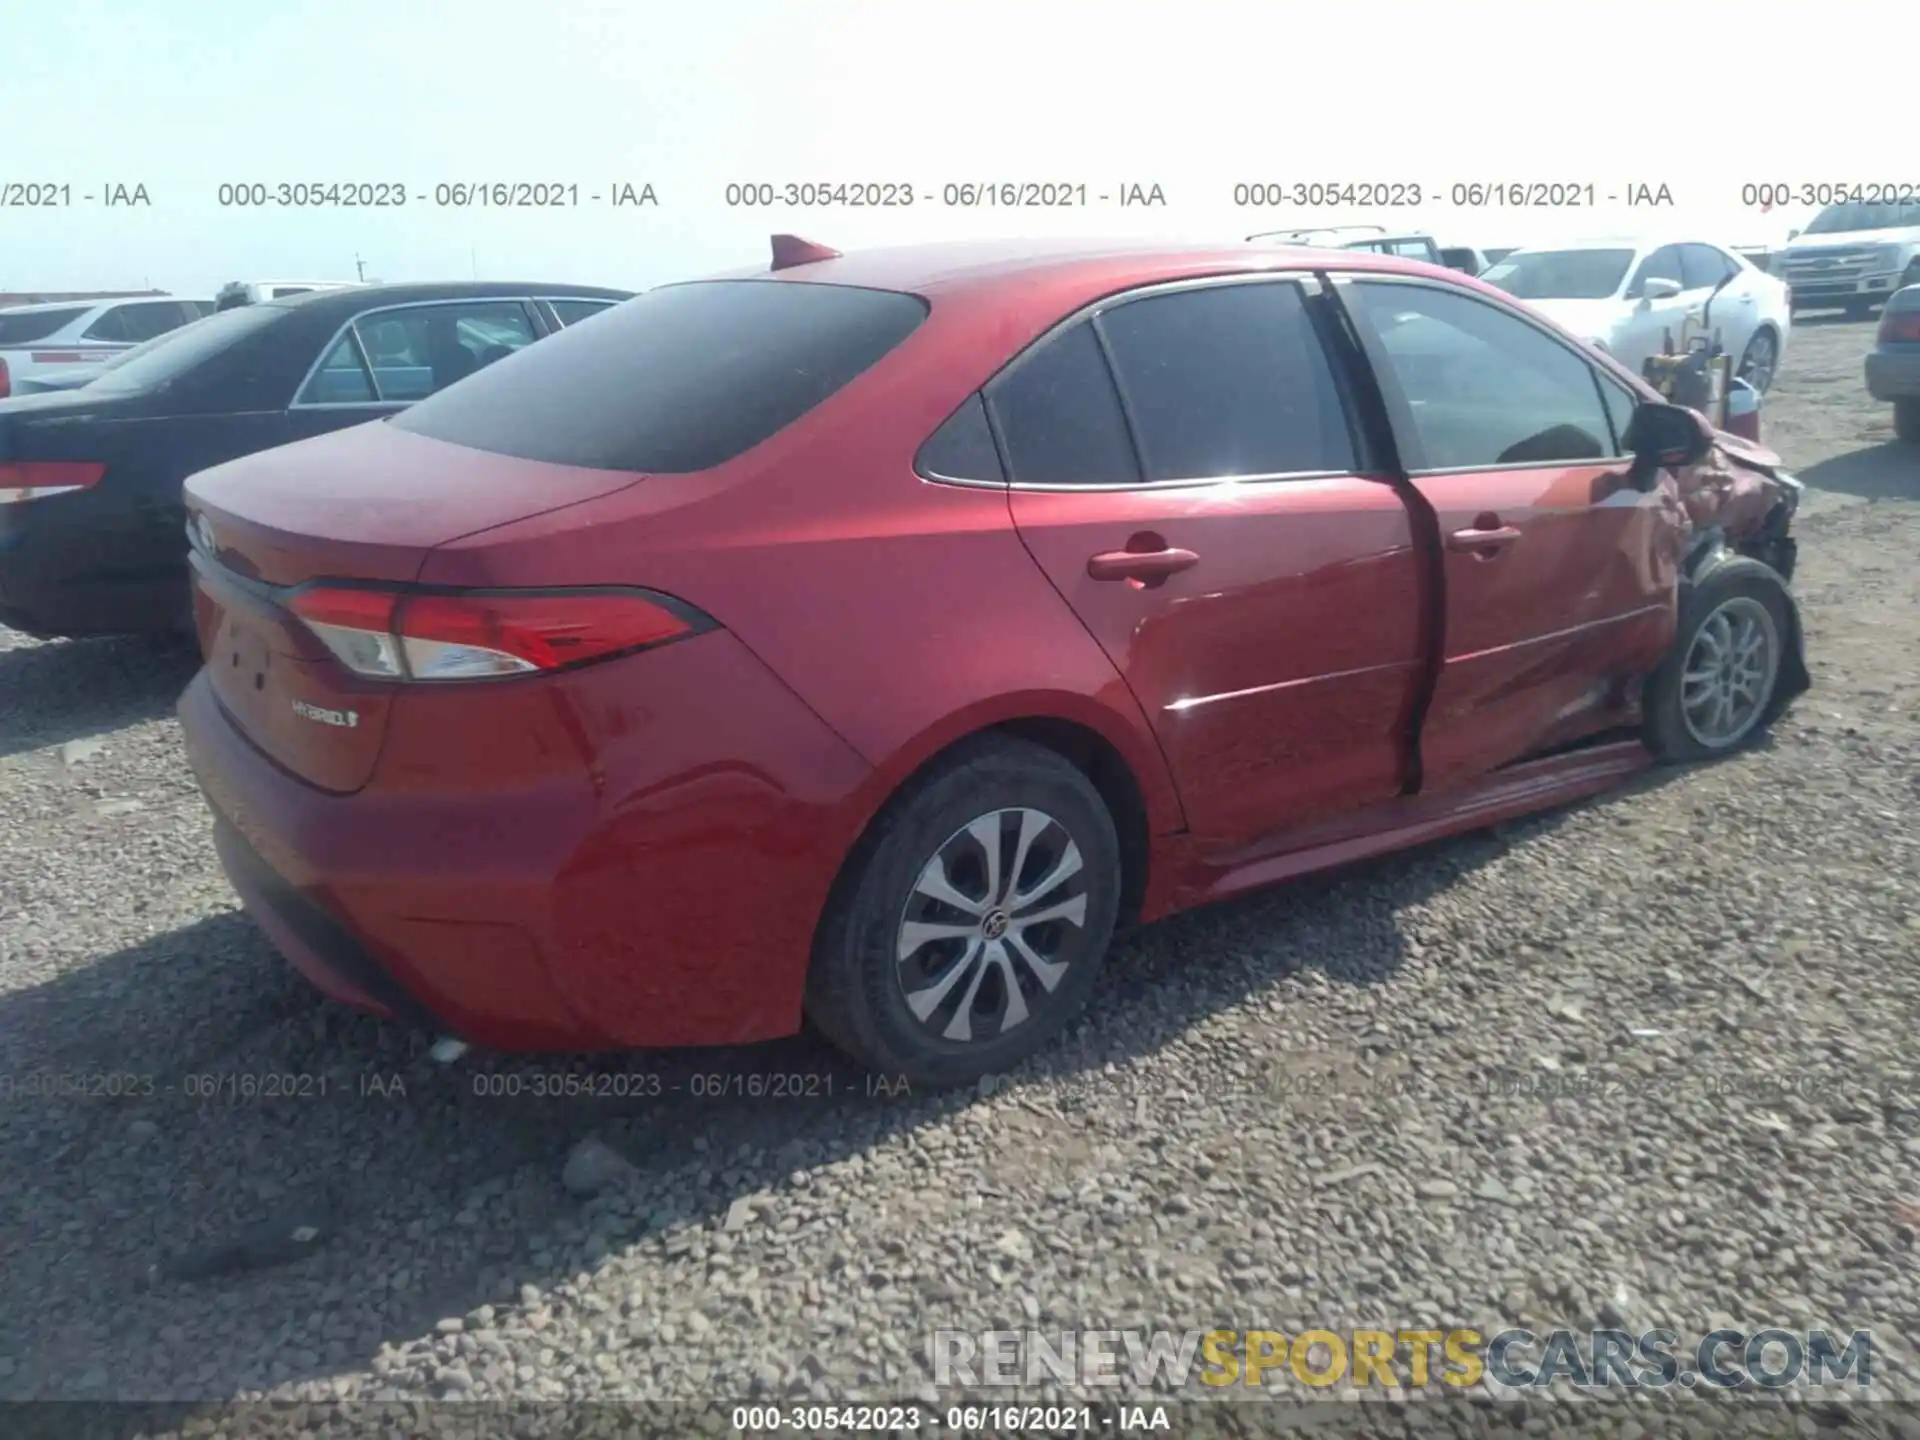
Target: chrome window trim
(524,301)
(1276,477)
(1496,303)
(554,301)
(1309,283)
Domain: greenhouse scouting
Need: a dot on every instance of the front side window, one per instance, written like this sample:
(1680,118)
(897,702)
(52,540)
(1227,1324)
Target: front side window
(1228,380)
(1704,267)
(1060,415)
(1662,264)
(1480,387)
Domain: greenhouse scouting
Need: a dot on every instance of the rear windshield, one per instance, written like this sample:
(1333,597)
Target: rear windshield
(1560,274)
(679,379)
(36,324)
(169,356)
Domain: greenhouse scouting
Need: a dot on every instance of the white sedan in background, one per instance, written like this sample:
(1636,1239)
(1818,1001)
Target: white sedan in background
(1634,298)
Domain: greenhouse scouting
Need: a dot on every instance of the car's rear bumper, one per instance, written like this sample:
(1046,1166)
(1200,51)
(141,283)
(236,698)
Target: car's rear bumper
(75,565)
(1893,372)
(659,886)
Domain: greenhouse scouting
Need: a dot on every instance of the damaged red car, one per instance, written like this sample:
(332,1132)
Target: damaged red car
(867,637)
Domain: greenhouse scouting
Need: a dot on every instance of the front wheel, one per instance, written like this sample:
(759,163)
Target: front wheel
(973,919)
(1719,685)
(1758,364)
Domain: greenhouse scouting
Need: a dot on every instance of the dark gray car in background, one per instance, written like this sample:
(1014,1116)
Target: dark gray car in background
(1893,365)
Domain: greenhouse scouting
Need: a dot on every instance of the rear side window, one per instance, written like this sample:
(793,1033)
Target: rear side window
(130,324)
(679,379)
(962,448)
(185,349)
(1060,415)
(36,324)
(572,312)
(1228,380)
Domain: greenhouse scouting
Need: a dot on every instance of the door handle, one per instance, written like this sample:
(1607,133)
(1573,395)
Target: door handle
(1481,541)
(1149,567)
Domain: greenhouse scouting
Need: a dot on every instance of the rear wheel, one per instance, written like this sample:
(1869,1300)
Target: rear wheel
(1906,420)
(974,917)
(1718,686)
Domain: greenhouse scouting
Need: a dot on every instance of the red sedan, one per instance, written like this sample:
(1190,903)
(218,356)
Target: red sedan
(867,637)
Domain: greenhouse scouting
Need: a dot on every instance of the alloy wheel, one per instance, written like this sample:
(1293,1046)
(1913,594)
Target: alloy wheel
(994,921)
(1730,671)
(1757,365)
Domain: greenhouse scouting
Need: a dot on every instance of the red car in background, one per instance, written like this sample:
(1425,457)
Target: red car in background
(867,637)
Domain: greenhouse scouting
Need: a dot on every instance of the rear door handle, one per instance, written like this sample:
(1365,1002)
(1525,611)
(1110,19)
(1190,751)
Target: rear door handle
(1149,567)
(1494,537)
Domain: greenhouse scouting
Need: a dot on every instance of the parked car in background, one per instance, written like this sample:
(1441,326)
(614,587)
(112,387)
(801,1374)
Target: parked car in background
(252,292)
(1464,258)
(1893,365)
(1852,257)
(72,377)
(1633,297)
(1373,239)
(34,338)
(91,538)
(834,638)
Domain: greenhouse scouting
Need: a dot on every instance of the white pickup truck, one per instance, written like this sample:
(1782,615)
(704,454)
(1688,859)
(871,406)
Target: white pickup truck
(1852,257)
(61,334)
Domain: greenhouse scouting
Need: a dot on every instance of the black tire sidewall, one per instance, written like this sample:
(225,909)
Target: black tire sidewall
(873,1019)
(1906,420)
(1666,729)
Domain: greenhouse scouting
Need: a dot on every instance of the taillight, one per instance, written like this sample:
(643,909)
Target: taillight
(1899,326)
(37,479)
(6,380)
(66,357)
(482,635)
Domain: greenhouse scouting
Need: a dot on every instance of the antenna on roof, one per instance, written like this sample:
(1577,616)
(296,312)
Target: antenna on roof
(790,250)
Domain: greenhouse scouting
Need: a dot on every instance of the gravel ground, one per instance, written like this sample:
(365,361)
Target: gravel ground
(1333,1104)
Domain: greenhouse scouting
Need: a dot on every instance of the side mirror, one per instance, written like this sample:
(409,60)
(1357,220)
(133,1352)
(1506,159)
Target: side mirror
(1659,287)
(1662,436)
(1793,235)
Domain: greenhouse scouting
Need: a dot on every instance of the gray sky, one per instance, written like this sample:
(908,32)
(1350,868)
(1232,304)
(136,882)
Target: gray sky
(182,96)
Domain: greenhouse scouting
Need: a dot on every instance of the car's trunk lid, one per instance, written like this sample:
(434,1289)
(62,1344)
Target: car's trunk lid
(363,506)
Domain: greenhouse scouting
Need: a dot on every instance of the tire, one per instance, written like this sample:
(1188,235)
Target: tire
(1763,341)
(1906,420)
(859,984)
(1735,599)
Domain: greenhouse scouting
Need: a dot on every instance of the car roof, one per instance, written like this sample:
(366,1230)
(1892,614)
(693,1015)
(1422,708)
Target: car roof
(364,297)
(1061,270)
(40,307)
